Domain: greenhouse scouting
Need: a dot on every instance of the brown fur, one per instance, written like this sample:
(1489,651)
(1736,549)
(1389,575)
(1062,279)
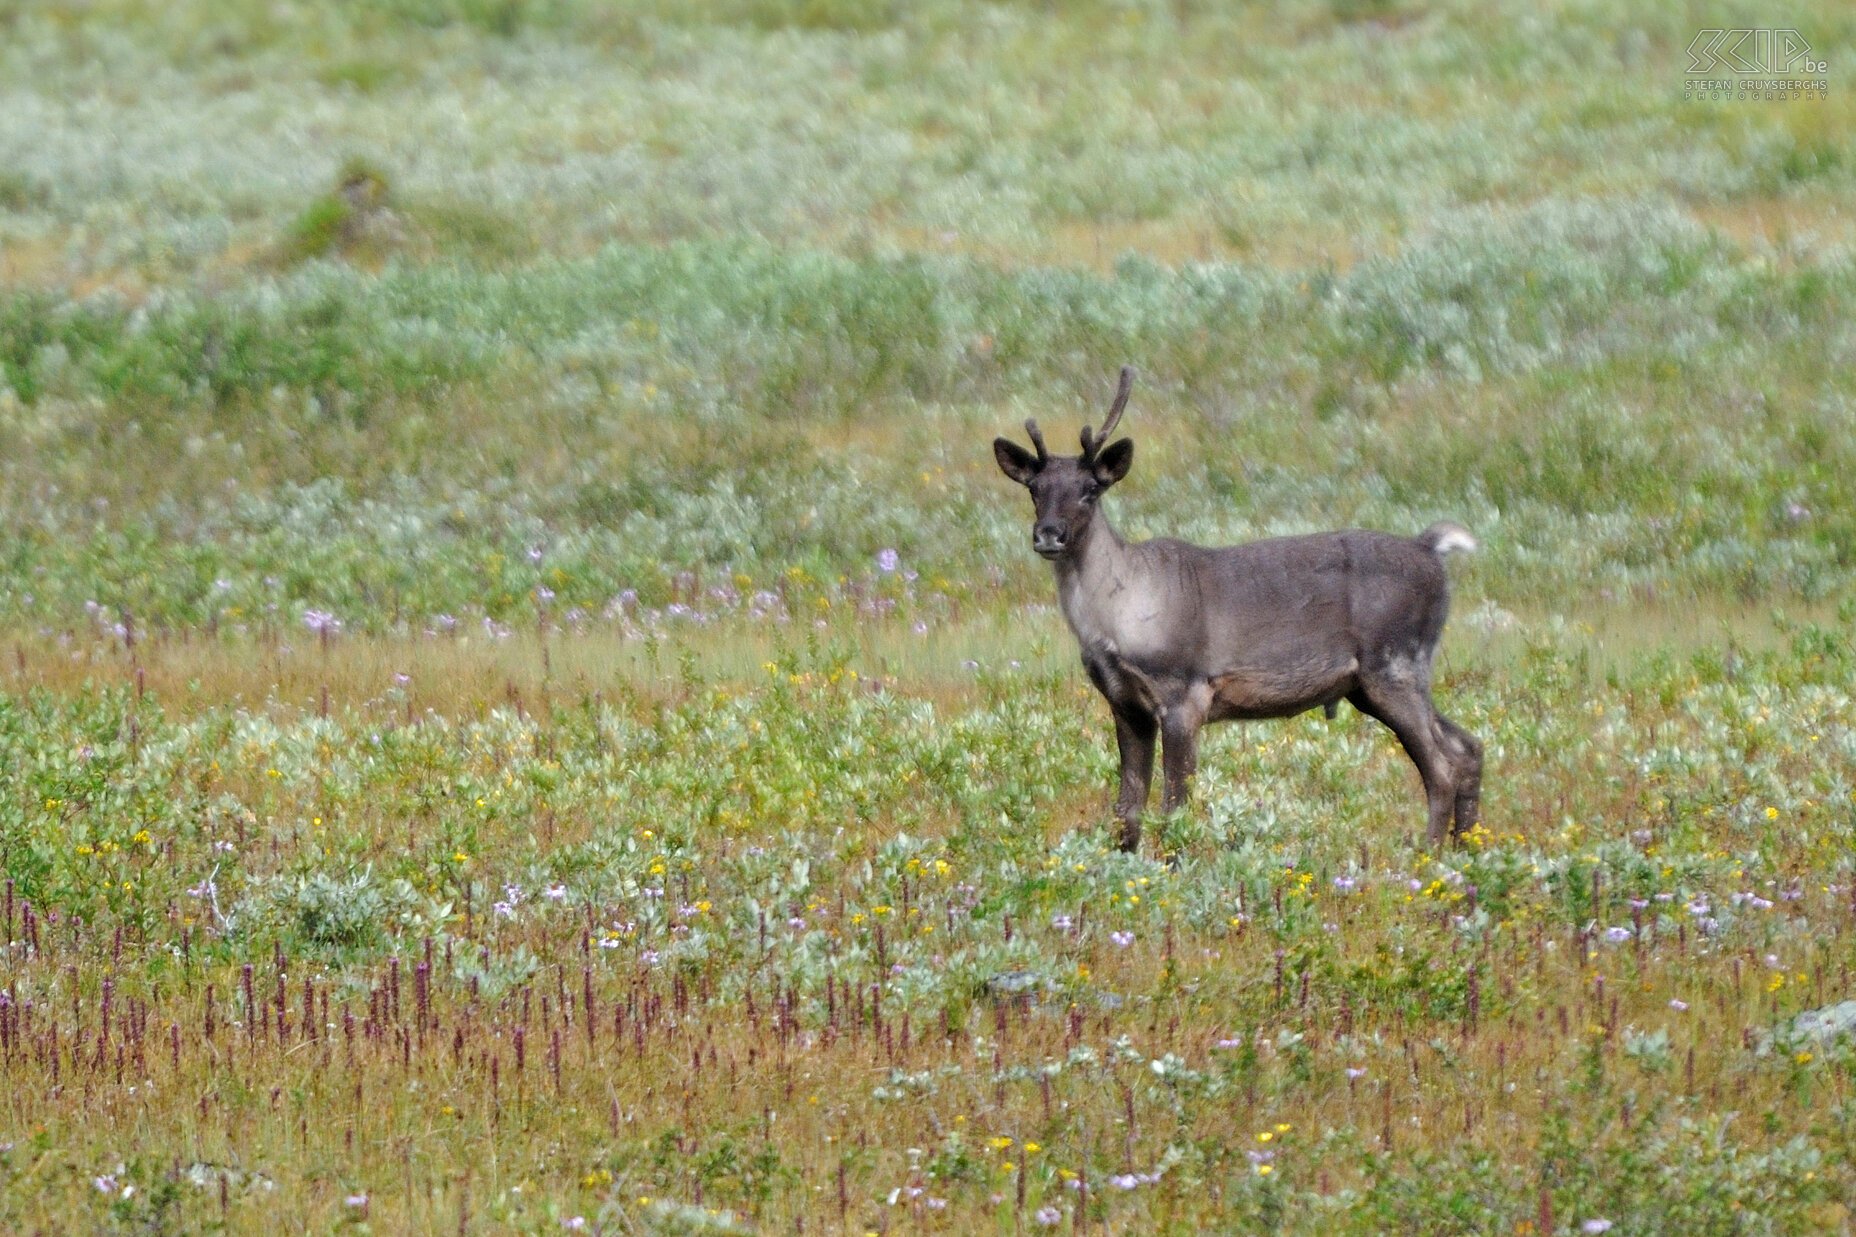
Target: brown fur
(1176,635)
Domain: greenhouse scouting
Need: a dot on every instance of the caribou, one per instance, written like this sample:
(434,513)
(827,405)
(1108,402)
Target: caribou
(1176,635)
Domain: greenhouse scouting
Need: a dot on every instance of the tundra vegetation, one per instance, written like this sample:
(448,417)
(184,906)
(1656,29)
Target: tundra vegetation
(528,706)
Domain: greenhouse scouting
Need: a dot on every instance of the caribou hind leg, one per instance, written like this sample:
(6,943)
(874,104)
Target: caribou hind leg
(1466,754)
(1403,703)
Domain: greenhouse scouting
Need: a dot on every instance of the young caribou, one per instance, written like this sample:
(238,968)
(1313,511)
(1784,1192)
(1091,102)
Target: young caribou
(1176,635)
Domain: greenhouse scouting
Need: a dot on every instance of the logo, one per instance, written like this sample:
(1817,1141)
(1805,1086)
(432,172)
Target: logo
(1754,62)
(1751,51)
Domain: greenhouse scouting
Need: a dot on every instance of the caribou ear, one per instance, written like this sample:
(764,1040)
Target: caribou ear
(1014,461)
(1112,464)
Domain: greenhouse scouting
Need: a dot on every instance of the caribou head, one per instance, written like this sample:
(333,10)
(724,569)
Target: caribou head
(1064,488)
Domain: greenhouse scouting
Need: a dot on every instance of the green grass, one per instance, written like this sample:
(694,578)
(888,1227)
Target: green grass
(472,768)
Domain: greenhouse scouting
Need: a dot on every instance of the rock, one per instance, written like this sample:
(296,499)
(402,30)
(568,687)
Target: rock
(1013,983)
(1824,1025)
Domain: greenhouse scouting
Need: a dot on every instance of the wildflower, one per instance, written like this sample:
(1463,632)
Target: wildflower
(1595,1226)
(106,1184)
(356,1200)
(321,622)
(1678,1004)
(1617,934)
(1000,1143)
(1122,939)
(574,1222)
(1233,1042)
(888,560)
(554,892)
(1048,1216)
(1124,1181)
(503,910)
(1355,1073)
(648,957)
(1344,884)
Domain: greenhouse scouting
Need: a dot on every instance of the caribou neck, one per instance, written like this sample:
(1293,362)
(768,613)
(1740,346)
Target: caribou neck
(1097,570)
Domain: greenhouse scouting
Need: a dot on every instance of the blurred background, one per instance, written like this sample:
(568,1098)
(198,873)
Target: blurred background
(402,310)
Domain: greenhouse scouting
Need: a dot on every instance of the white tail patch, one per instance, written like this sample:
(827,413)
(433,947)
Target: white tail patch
(1446,537)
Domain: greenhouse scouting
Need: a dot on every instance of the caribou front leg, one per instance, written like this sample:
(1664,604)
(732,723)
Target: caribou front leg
(1134,736)
(1179,732)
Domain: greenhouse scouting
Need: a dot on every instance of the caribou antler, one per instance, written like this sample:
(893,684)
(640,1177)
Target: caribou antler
(1037,440)
(1095,440)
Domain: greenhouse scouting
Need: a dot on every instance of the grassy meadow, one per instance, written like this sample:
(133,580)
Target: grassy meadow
(528,705)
